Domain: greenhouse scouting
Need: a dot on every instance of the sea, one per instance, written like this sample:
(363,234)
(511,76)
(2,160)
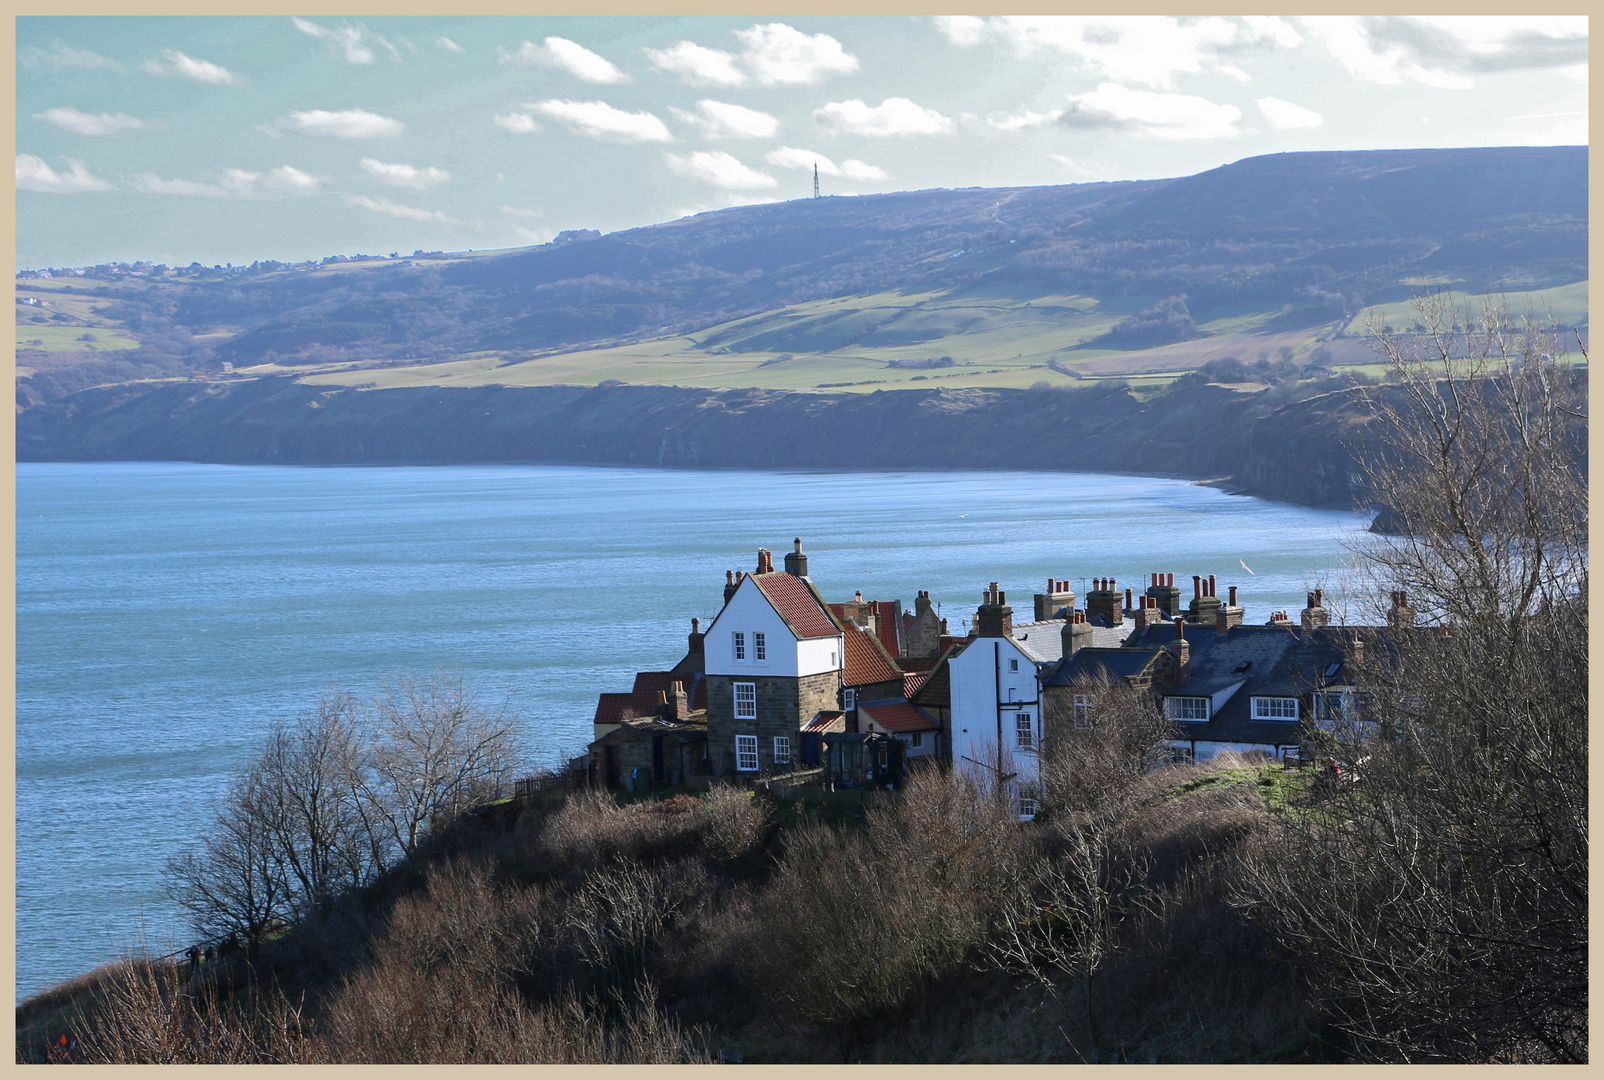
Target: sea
(169,613)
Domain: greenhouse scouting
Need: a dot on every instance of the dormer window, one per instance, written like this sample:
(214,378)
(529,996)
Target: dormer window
(1191,709)
(1275,708)
(740,646)
(760,649)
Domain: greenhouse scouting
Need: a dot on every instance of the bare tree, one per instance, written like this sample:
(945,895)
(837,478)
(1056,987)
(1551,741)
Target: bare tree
(1443,899)
(1102,737)
(236,885)
(435,749)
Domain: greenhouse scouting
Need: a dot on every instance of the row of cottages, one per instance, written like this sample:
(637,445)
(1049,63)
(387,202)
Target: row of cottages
(780,675)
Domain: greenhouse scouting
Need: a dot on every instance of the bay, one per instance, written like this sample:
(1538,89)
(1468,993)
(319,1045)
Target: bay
(168,613)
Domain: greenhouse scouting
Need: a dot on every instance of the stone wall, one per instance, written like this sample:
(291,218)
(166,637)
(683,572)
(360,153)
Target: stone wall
(783,706)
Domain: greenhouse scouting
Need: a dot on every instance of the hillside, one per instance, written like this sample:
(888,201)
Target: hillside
(1012,284)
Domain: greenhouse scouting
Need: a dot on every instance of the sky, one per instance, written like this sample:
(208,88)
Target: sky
(232,140)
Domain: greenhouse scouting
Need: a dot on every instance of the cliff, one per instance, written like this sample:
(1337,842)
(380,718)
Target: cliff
(1294,453)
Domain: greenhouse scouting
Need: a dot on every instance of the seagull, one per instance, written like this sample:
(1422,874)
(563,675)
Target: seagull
(1246,567)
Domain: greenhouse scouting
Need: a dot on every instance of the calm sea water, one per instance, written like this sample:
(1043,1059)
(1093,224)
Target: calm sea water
(167,613)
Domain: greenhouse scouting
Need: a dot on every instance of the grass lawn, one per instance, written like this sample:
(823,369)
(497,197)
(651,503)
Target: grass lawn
(1567,303)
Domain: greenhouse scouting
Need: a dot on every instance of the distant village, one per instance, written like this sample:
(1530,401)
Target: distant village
(792,691)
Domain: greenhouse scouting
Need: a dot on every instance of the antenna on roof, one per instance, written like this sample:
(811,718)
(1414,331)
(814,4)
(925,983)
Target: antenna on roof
(815,179)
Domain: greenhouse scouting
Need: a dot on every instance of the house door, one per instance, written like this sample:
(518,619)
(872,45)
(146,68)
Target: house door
(610,775)
(657,760)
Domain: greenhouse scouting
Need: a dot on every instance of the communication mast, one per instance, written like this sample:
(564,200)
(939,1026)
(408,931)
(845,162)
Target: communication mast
(815,179)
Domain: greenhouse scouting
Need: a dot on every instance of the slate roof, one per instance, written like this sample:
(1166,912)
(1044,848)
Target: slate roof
(866,660)
(797,604)
(1268,661)
(1092,661)
(1044,641)
(899,716)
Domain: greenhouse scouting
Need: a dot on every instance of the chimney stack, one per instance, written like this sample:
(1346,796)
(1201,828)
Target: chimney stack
(1205,604)
(1227,615)
(1314,615)
(678,704)
(1053,603)
(1279,618)
(994,618)
(1167,598)
(796,563)
(1401,614)
(1146,613)
(730,585)
(765,561)
(1181,651)
(1103,602)
(1076,634)
(696,636)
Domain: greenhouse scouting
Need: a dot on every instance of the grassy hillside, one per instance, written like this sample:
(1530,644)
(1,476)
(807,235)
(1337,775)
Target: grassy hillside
(1015,285)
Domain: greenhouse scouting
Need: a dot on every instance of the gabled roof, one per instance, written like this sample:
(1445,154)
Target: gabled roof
(642,700)
(797,604)
(866,661)
(936,691)
(899,716)
(1044,641)
(1093,662)
(912,680)
(887,626)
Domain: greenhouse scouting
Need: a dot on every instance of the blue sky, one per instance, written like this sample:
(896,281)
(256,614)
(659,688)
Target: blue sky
(236,139)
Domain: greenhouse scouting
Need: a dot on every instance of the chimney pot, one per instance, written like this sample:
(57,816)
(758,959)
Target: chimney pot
(798,545)
(1233,595)
(1180,630)
(1128,597)
(1212,591)
(1197,587)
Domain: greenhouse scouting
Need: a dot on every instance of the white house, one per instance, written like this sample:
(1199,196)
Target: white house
(996,725)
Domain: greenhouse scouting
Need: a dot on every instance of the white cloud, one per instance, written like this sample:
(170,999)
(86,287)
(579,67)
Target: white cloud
(720,120)
(719,169)
(1148,49)
(62,55)
(1023,120)
(789,157)
(893,116)
(235,183)
(1447,51)
(570,56)
(779,55)
(82,123)
(345,123)
(34,175)
(518,123)
(518,211)
(1163,116)
(349,40)
(599,120)
(448,45)
(151,184)
(187,67)
(406,176)
(399,210)
(697,65)
(1283,115)
(534,236)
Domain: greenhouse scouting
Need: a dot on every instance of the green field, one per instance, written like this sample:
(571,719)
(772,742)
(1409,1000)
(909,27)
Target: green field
(56,338)
(991,337)
(1566,303)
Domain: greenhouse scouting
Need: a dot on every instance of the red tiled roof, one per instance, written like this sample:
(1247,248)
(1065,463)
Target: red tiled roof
(899,716)
(827,721)
(797,605)
(912,680)
(886,620)
(613,708)
(866,662)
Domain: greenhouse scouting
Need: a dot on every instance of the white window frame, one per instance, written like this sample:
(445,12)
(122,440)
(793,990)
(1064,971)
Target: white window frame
(760,648)
(1027,808)
(1024,731)
(1082,710)
(918,738)
(751,695)
(849,698)
(782,749)
(1273,708)
(1173,709)
(746,753)
(739,640)
(1013,663)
